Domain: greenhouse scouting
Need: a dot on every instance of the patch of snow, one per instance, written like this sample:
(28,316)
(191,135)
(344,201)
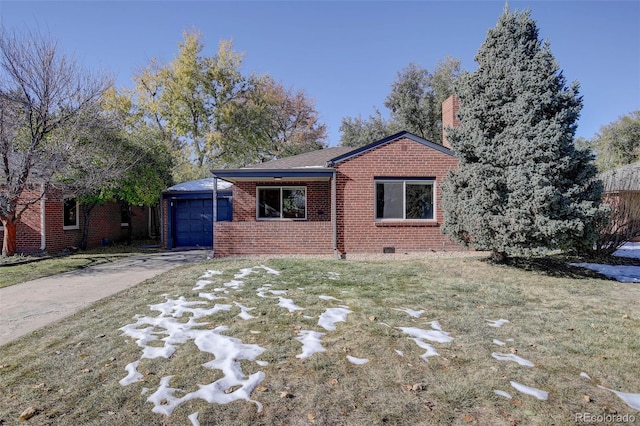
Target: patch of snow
(498,342)
(621,273)
(234,284)
(502,393)
(512,357)
(540,394)
(244,311)
(262,363)
(307,317)
(269,270)
(333,275)
(289,305)
(210,296)
(210,273)
(133,375)
(357,361)
(585,375)
(202,284)
(254,332)
(431,351)
(400,352)
(310,343)
(410,312)
(497,323)
(628,250)
(438,336)
(631,399)
(331,316)
(194,419)
(144,391)
(329,298)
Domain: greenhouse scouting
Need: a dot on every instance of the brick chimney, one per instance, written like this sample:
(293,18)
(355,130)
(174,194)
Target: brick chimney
(450,109)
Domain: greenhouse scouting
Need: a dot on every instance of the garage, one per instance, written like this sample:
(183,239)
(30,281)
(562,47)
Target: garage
(189,212)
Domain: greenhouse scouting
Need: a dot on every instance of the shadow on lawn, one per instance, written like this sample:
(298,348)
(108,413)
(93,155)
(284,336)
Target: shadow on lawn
(559,265)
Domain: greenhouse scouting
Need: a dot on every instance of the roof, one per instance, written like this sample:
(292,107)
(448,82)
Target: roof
(625,178)
(318,158)
(201,185)
(314,165)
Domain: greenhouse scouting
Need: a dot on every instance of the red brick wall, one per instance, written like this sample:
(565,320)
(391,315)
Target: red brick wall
(104,223)
(358,231)
(246,235)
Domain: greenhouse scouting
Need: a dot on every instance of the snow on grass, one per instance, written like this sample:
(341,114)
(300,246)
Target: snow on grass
(621,273)
(327,298)
(133,376)
(194,419)
(288,304)
(585,375)
(419,336)
(631,399)
(244,311)
(503,393)
(512,357)
(211,273)
(498,342)
(331,316)
(497,323)
(311,343)
(435,335)
(410,312)
(540,394)
(357,361)
(201,284)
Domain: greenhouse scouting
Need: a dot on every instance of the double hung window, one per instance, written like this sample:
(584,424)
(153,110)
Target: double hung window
(405,199)
(70,212)
(282,202)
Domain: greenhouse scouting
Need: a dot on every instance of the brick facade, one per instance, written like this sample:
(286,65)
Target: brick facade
(358,231)
(104,223)
(248,235)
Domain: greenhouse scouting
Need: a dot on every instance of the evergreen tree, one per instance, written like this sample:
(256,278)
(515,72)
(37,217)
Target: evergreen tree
(521,184)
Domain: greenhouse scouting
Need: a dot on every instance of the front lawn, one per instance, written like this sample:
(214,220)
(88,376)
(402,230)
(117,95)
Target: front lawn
(303,341)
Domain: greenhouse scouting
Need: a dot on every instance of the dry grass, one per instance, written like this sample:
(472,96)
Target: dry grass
(564,324)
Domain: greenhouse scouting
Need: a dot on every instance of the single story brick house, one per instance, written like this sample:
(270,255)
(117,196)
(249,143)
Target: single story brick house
(382,197)
(55,223)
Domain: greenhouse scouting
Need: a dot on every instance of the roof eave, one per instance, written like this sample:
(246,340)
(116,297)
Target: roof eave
(293,174)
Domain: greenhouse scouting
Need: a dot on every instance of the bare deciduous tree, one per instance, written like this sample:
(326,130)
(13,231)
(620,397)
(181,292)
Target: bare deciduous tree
(47,102)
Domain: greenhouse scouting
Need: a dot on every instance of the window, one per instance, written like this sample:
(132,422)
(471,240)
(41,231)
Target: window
(405,199)
(70,212)
(286,202)
(125,215)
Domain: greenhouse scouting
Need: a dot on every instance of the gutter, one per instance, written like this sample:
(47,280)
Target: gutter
(43,221)
(334,214)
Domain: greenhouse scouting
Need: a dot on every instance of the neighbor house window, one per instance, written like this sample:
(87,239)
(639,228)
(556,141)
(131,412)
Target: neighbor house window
(125,215)
(405,199)
(282,202)
(70,211)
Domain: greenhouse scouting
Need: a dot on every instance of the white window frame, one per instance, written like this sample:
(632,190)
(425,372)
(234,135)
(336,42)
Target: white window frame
(77,224)
(415,181)
(281,188)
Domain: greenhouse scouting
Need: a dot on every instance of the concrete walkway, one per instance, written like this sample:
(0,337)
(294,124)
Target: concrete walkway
(31,305)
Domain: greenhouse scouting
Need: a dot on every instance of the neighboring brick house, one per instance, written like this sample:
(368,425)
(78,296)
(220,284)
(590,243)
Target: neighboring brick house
(55,223)
(382,197)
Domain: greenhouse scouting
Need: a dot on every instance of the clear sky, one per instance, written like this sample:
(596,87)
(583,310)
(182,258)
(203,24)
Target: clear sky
(346,54)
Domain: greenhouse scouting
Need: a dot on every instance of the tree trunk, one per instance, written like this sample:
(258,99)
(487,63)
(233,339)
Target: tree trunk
(86,213)
(498,256)
(9,242)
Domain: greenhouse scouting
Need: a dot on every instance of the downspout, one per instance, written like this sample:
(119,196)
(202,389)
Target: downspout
(43,220)
(334,214)
(215,215)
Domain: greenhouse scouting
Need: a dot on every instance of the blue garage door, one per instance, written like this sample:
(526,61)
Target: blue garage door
(193,221)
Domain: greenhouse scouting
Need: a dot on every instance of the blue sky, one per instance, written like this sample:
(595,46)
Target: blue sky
(346,54)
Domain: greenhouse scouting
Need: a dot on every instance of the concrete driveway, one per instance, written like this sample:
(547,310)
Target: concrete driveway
(31,305)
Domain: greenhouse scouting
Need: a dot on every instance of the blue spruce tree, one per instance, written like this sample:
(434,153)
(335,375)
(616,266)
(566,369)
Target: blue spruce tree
(521,185)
